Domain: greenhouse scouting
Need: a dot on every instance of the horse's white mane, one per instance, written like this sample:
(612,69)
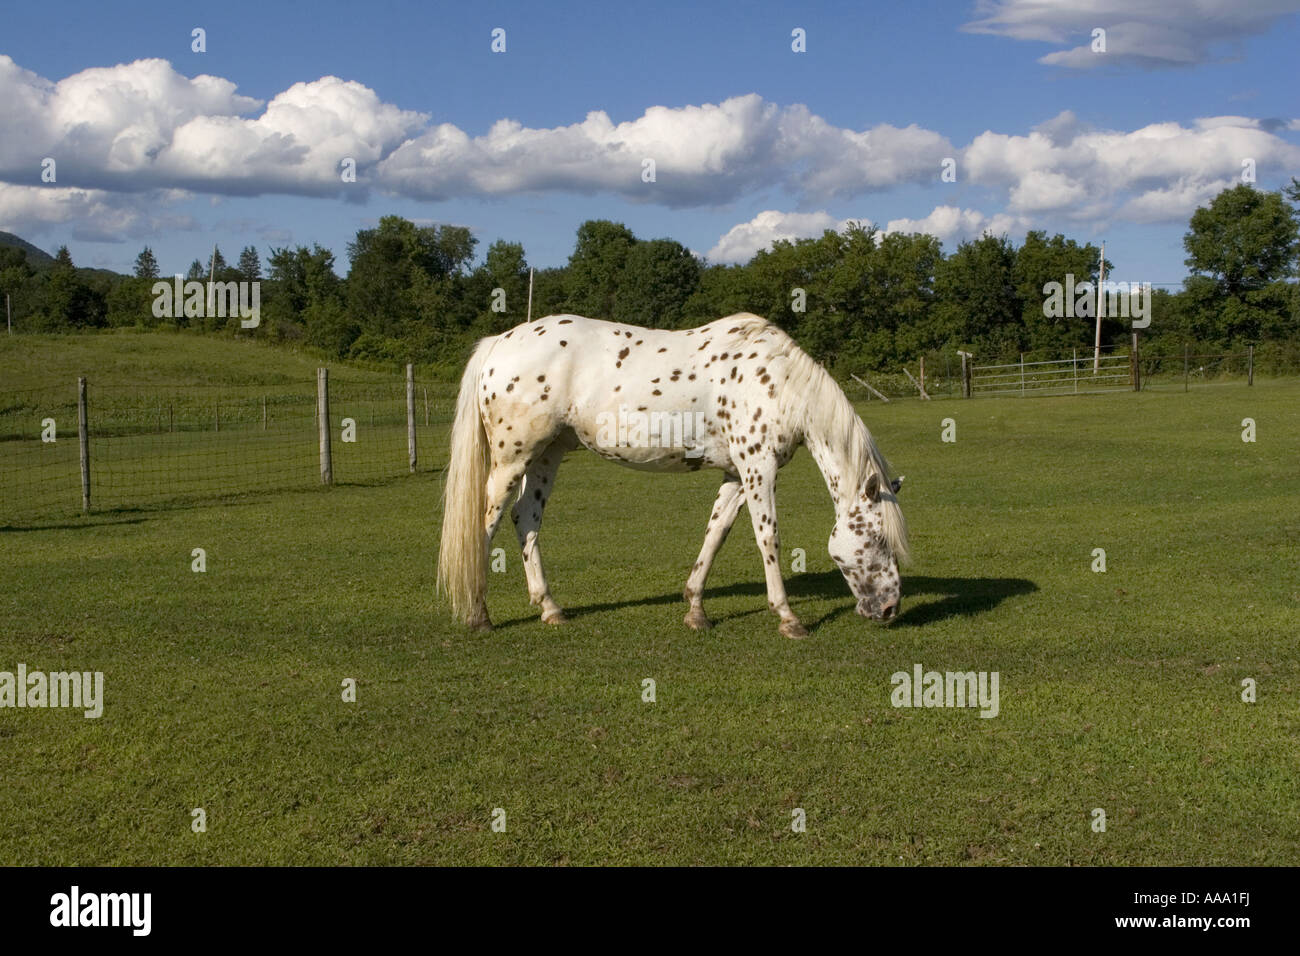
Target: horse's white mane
(814,403)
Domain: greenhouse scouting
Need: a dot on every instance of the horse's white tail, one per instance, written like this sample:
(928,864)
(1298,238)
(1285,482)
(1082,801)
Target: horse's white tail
(462,556)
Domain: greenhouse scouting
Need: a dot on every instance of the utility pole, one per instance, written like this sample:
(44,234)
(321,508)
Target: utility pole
(1101,298)
(530,295)
(212,275)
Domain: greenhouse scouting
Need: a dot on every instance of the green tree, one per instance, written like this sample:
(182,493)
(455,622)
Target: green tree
(304,293)
(977,304)
(1039,261)
(18,281)
(898,299)
(130,303)
(403,276)
(249,265)
(506,269)
(1245,242)
(596,267)
(722,290)
(217,263)
(657,279)
(69,301)
(146,266)
(549,291)
(802,287)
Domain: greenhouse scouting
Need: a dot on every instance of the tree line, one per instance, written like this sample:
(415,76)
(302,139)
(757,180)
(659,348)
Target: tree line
(855,299)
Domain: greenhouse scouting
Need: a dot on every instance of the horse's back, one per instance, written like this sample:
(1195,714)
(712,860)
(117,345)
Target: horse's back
(594,376)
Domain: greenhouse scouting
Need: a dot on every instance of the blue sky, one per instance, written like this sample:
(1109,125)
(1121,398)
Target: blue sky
(751,140)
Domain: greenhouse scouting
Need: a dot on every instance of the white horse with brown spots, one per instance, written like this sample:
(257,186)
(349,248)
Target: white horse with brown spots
(737,395)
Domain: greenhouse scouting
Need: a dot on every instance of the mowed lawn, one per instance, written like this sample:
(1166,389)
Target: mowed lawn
(1118,690)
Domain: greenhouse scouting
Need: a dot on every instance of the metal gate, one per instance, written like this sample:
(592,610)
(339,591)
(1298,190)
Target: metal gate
(1071,376)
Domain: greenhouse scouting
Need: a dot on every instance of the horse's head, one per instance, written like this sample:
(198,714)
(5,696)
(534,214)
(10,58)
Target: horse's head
(860,546)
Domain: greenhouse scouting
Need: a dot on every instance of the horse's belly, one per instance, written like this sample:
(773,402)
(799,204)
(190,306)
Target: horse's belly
(653,441)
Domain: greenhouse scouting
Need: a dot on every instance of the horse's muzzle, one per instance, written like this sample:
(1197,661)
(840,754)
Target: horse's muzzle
(878,611)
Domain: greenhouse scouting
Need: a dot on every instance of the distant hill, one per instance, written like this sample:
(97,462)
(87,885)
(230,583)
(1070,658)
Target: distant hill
(37,258)
(40,260)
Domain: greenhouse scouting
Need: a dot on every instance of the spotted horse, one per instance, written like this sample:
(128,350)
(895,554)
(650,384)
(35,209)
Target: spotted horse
(737,395)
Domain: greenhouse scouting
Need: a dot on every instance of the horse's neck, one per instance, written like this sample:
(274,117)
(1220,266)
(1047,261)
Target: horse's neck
(830,462)
(825,423)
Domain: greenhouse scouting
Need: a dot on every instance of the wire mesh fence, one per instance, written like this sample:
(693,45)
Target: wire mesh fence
(39,460)
(940,374)
(148,446)
(1186,368)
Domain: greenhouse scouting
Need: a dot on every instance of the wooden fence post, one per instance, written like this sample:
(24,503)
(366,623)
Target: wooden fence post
(923,373)
(323,416)
(83,440)
(410,415)
(967,372)
(1022,373)
(263,413)
(1250,365)
(1135,369)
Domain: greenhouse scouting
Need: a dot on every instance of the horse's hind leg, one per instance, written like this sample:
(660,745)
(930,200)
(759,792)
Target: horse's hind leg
(725,508)
(539,481)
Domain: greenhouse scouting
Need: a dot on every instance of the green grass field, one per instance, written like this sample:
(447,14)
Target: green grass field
(1119,690)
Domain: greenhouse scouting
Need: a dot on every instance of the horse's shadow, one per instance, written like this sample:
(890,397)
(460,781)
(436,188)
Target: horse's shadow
(952,597)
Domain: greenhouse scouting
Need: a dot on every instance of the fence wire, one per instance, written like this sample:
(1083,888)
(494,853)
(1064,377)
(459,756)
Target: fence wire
(39,460)
(154,445)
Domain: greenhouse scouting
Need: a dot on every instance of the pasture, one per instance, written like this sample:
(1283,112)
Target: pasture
(1119,690)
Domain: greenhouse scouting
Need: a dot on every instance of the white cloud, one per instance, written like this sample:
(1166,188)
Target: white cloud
(950,223)
(743,240)
(1148,33)
(1175,202)
(842,162)
(142,125)
(94,214)
(143,128)
(1091,174)
(703,155)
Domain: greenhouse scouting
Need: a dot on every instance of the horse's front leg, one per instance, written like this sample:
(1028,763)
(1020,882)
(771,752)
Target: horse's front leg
(725,508)
(760,492)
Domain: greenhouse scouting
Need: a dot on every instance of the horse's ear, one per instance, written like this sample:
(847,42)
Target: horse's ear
(873,487)
(896,484)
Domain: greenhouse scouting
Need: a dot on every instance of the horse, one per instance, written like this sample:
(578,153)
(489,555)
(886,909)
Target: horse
(737,395)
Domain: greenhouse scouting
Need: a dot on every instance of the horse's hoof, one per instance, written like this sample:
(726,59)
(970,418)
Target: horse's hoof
(793,630)
(696,621)
(555,617)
